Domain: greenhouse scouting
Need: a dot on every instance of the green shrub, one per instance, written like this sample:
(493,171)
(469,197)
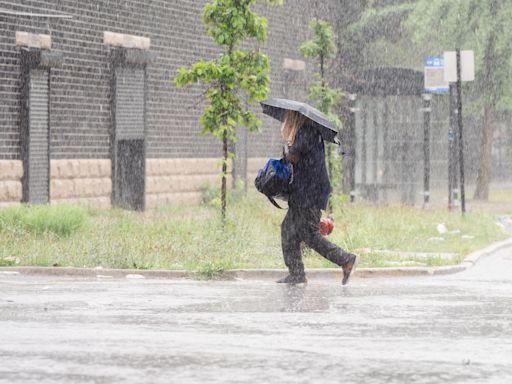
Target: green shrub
(61,220)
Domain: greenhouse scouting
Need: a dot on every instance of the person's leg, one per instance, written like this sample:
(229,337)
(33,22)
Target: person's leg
(290,243)
(319,243)
(313,238)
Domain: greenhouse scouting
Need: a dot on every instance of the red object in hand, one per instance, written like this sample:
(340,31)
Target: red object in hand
(326,226)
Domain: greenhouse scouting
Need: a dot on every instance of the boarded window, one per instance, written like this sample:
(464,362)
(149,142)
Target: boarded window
(129,103)
(38,177)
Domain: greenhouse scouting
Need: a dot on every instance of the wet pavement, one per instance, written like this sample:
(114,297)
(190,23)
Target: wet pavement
(455,329)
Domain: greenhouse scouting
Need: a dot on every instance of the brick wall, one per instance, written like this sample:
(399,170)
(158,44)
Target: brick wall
(11,172)
(80,93)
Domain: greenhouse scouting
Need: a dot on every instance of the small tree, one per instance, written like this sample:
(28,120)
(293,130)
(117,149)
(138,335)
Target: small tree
(230,23)
(322,48)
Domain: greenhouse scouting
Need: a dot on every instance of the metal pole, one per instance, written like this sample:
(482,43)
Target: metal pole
(386,150)
(451,144)
(461,144)
(364,165)
(352,147)
(375,154)
(455,157)
(426,148)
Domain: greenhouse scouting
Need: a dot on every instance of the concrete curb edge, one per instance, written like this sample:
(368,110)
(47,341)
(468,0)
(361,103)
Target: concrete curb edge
(257,274)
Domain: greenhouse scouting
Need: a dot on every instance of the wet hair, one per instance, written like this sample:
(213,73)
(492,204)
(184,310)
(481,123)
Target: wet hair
(292,121)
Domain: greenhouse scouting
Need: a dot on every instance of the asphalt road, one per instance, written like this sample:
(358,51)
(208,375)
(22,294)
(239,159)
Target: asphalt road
(447,329)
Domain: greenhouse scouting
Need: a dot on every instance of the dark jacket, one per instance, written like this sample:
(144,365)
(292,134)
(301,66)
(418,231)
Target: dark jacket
(311,186)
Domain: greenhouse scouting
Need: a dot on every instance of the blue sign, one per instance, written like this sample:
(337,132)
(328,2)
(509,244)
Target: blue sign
(434,61)
(434,75)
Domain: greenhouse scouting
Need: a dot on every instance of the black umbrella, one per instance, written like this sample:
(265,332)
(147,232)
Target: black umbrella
(276,108)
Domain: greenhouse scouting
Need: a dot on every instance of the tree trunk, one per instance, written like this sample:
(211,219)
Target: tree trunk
(485,169)
(490,92)
(224,172)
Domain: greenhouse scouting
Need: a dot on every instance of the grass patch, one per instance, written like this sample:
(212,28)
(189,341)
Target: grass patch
(192,238)
(500,195)
(60,220)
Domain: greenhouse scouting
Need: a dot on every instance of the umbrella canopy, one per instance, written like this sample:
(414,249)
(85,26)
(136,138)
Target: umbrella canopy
(276,108)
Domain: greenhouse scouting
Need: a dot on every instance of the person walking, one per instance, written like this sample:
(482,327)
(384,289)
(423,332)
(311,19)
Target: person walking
(309,194)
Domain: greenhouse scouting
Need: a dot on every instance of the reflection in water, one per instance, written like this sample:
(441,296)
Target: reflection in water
(297,298)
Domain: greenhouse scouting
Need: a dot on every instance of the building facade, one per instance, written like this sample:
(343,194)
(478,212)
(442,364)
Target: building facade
(89,110)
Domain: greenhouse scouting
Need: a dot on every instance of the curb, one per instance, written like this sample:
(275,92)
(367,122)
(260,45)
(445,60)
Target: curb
(256,274)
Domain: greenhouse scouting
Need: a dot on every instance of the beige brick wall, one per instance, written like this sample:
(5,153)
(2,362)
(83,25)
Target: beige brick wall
(11,172)
(179,181)
(81,181)
(88,181)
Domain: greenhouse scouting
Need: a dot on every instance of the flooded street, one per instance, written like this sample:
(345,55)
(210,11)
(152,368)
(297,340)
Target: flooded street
(455,329)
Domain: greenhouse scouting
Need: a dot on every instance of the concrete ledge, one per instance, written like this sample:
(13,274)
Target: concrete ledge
(126,41)
(32,40)
(259,274)
(94,272)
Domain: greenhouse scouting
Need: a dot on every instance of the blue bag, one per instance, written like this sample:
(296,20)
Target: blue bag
(274,180)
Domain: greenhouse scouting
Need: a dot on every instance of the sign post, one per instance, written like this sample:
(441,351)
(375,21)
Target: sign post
(459,67)
(434,75)
(426,148)
(461,146)
(452,149)
(434,83)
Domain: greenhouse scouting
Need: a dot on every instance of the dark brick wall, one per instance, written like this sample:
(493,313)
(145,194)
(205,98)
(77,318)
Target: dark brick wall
(80,94)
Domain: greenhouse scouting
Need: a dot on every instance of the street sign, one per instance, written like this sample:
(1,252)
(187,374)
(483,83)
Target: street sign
(467,63)
(434,75)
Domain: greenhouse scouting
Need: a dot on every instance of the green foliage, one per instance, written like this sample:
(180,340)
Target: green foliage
(213,269)
(326,98)
(230,23)
(435,26)
(211,194)
(234,71)
(322,44)
(377,22)
(483,26)
(322,47)
(61,220)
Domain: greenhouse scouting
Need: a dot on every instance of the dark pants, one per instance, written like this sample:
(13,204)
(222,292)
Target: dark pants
(303,224)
